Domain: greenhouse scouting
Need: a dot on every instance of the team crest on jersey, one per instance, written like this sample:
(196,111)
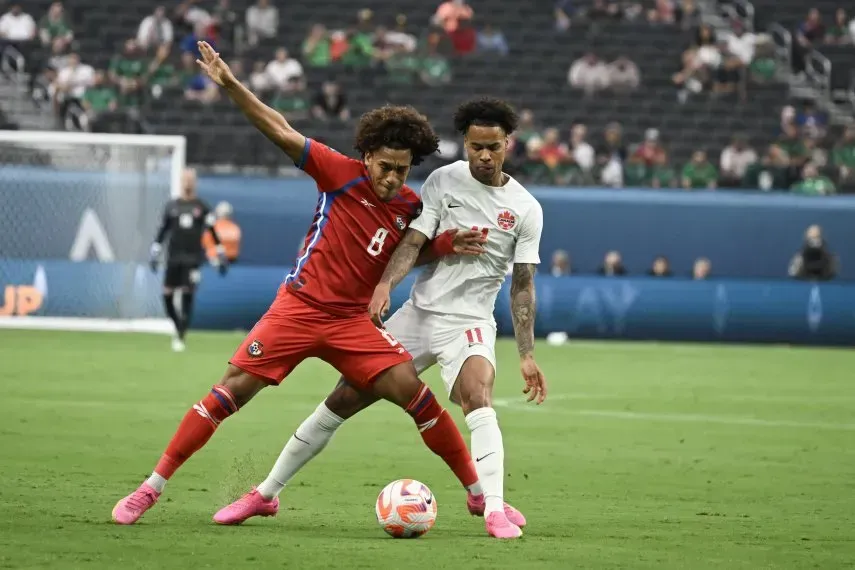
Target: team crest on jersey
(255,349)
(506,220)
(401,222)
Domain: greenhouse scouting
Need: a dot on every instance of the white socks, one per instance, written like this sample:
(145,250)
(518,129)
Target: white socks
(309,439)
(488,453)
(156,482)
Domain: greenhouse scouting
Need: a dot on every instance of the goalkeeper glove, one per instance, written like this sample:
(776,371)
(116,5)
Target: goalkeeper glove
(154,256)
(221,262)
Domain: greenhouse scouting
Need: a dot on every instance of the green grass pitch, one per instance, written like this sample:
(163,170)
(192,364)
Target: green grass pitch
(644,456)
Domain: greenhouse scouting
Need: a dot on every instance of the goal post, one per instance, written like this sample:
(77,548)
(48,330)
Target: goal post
(79,211)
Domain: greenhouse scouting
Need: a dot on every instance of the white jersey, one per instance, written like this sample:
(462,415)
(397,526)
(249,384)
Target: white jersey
(513,219)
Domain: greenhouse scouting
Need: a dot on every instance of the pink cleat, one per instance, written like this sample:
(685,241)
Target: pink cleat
(499,526)
(131,508)
(476,508)
(250,505)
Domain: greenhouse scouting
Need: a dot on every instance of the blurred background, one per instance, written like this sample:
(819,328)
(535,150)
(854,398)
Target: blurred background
(671,142)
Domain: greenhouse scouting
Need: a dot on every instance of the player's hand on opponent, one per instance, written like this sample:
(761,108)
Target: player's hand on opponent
(535,381)
(468,242)
(380,302)
(211,63)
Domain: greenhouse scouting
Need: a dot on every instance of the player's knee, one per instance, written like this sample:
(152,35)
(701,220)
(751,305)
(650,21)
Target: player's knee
(474,386)
(345,401)
(399,384)
(241,384)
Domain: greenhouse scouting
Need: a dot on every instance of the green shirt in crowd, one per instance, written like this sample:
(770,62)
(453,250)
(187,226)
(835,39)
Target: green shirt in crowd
(699,175)
(844,155)
(818,186)
(319,55)
(99,99)
(127,68)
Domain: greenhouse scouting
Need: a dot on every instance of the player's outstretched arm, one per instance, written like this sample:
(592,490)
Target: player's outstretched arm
(452,242)
(271,123)
(402,261)
(523,307)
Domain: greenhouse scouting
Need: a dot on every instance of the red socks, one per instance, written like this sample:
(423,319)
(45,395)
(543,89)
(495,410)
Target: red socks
(441,435)
(196,429)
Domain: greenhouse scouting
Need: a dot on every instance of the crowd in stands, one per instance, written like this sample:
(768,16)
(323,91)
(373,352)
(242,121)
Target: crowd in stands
(806,156)
(814,261)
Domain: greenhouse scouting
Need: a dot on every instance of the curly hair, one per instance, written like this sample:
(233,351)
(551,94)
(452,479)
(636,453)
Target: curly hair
(486,112)
(398,127)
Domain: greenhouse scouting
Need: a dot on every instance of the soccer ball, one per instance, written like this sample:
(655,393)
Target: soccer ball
(406,508)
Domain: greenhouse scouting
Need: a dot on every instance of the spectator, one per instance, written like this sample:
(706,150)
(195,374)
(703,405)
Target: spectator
(260,82)
(492,40)
(225,21)
(650,148)
(554,159)
(162,74)
(589,74)
(399,39)
(435,69)
(227,230)
(525,131)
(792,143)
(662,174)
(664,12)
(741,44)
(699,172)
(464,39)
(71,83)
(735,160)
(812,30)
(688,14)
(611,155)
(316,47)
(17,28)
(449,14)
(813,183)
(660,268)
(843,157)
(772,172)
(190,42)
(838,33)
(97,99)
(815,261)
(582,152)
(622,75)
(360,51)
(127,70)
(196,85)
(812,122)
(262,21)
(560,263)
(693,74)
(729,70)
(53,28)
(702,269)
(339,45)
(704,36)
(612,265)
(284,72)
(563,15)
(155,30)
(192,18)
(291,100)
(330,103)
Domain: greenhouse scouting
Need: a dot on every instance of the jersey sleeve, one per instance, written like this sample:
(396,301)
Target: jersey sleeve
(528,242)
(331,170)
(209,215)
(428,220)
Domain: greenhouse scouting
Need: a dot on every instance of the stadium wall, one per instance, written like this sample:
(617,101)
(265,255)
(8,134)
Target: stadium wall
(591,307)
(743,234)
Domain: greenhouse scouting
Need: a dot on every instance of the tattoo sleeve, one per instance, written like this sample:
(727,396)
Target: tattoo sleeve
(523,306)
(404,258)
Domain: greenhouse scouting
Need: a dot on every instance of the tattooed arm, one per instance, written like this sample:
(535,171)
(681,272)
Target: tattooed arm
(402,261)
(523,307)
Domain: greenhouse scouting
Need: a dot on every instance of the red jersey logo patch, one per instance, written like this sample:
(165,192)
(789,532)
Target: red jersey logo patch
(506,220)
(401,222)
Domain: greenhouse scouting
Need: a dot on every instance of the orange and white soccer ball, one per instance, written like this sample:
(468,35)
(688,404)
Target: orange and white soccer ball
(406,508)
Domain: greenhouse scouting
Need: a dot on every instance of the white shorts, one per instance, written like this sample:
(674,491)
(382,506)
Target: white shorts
(448,340)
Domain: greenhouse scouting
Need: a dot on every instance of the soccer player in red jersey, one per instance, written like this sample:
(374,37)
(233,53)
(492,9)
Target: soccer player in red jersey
(320,310)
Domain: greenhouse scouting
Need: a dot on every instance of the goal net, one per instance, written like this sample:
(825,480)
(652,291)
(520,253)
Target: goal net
(78,214)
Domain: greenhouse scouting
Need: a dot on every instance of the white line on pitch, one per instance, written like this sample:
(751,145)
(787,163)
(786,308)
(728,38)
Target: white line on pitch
(678,418)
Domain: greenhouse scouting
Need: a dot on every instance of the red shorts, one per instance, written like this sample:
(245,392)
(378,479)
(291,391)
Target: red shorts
(291,331)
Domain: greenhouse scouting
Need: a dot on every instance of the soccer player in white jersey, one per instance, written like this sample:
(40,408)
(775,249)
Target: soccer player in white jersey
(448,319)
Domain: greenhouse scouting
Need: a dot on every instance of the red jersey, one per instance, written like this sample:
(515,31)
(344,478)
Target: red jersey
(352,236)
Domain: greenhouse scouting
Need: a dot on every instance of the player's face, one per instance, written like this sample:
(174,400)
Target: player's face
(388,168)
(485,149)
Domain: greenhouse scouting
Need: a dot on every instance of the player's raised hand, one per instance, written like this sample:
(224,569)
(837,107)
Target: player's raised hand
(468,242)
(211,63)
(535,381)
(379,305)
